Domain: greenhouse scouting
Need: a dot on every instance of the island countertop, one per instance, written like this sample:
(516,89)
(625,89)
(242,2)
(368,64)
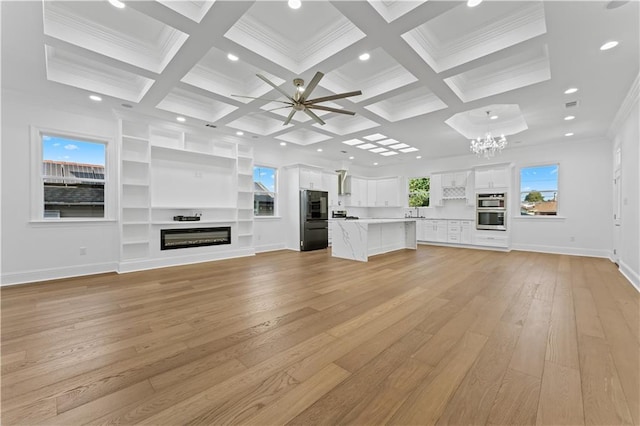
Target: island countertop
(357,239)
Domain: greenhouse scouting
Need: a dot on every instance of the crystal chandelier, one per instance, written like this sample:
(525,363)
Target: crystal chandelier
(488,145)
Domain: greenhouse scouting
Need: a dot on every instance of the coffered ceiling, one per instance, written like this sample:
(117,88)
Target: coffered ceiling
(434,69)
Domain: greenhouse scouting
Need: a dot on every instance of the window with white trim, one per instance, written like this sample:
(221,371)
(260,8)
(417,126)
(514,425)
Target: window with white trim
(539,190)
(419,189)
(264,191)
(70,177)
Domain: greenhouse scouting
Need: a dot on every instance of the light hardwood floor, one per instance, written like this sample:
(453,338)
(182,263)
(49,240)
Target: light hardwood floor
(433,336)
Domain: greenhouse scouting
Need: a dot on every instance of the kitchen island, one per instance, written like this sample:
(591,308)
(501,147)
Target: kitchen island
(360,238)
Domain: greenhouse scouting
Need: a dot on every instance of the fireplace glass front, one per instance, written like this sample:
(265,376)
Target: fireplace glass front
(194,237)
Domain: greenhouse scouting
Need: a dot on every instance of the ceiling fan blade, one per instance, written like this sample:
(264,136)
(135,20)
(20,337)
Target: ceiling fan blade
(324,108)
(293,111)
(333,97)
(315,117)
(263,78)
(262,99)
(312,85)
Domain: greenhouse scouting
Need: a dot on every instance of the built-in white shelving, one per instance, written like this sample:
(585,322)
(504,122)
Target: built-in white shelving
(167,170)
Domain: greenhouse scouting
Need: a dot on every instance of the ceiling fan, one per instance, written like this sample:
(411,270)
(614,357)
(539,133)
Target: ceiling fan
(300,101)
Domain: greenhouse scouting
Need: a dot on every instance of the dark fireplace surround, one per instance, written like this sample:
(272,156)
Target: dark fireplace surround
(178,238)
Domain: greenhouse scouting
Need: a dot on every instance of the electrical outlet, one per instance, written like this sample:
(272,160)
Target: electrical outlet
(83,251)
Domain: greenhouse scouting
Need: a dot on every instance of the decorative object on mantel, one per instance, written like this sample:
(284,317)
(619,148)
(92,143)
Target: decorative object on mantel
(299,100)
(488,145)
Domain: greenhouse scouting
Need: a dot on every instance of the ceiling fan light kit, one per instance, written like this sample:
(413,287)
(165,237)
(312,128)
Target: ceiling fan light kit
(300,101)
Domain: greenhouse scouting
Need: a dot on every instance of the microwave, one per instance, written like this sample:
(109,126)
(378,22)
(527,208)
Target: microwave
(491,201)
(491,219)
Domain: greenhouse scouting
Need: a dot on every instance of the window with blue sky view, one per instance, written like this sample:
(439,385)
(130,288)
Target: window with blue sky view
(539,190)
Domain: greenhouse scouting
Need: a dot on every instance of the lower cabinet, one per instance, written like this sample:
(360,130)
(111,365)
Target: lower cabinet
(491,240)
(445,231)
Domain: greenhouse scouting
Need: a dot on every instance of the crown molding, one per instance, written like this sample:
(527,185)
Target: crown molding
(625,108)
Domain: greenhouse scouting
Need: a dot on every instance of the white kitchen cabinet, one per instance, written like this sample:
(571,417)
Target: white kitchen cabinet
(454,180)
(359,190)
(388,192)
(492,178)
(435,230)
(465,232)
(311,179)
(330,184)
(491,239)
(372,193)
(435,190)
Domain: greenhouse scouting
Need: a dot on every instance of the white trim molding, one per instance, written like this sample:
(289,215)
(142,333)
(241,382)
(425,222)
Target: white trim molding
(630,274)
(141,265)
(625,108)
(13,278)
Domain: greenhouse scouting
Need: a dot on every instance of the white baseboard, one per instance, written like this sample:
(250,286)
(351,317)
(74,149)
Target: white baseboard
(270,247)
(13,278)
(572,251)
(145,264)
(630,274)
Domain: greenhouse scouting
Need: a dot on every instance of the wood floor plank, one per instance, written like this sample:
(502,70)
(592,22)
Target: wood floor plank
(410,337)
(560,396)
(300,398)
(529,353)
(471,403)
(517,400)
(604,399)
(427,403)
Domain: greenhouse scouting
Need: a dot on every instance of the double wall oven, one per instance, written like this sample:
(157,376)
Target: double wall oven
(491,211)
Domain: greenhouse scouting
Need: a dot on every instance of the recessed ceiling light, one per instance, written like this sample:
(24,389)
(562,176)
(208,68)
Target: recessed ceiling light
(389,153)
(366,146)
(319,149)
(232,57)
(239,133)
(95,98)
(387,142)
(364,57)
(569,117)
(283,144)
(400,146)
(295,4)
(571,90)
(374,137)
(609,45)
(418,157)
(493,117)
(410,149)
(378,150)
(375,164)
(352,157)
(181,119)
(568,134)
(117,3)
(352,142)
(473,3)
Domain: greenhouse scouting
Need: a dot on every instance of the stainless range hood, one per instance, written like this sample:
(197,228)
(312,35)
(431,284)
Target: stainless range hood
(344,183)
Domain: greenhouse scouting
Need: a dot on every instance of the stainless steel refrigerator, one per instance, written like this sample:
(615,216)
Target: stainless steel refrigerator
(314,215)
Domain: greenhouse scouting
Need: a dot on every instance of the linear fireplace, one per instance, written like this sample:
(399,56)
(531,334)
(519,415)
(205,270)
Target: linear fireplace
(194,237)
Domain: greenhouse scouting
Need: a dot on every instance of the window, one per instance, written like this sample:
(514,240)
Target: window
(419,192)
(264,191)
(72,177)
(539,190)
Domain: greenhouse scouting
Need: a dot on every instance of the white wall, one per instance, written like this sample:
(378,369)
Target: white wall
(627,138)
(584,194)
(37,251)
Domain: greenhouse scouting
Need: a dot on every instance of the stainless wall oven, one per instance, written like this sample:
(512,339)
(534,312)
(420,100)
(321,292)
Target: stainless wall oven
(491,211)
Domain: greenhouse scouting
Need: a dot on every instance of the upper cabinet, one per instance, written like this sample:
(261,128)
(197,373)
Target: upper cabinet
(435,190)
(375,192)
(330,184)
(497,177)
(387,192)
(359,192)
(455,180)
(311,179)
